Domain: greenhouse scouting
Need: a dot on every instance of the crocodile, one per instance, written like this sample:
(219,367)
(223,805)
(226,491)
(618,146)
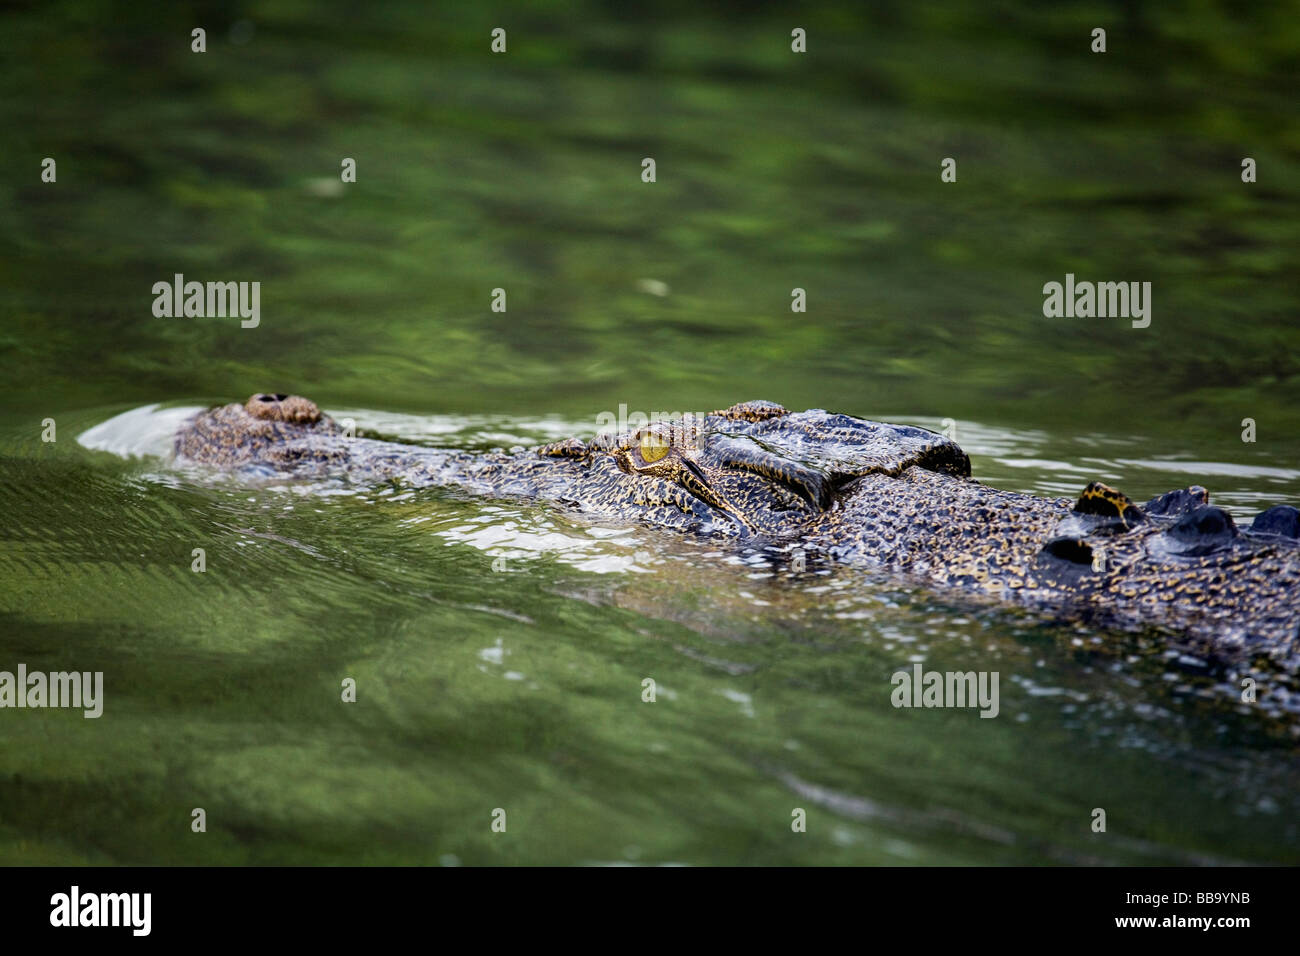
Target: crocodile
(844,490)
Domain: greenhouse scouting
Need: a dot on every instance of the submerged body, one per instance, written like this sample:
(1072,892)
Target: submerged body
(851,491)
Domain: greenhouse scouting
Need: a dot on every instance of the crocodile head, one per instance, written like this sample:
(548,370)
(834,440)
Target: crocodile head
(751,468)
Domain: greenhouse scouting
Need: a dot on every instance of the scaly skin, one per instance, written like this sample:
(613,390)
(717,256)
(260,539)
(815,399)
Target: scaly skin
(851,491)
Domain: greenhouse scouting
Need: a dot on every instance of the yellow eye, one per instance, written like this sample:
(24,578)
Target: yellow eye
(653,447)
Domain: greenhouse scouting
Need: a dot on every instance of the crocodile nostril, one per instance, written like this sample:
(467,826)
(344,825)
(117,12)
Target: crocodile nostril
(282,408)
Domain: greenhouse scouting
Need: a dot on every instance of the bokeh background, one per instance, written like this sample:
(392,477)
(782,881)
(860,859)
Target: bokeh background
(522,689)
(775,171)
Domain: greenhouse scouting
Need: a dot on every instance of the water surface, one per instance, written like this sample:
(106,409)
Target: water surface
(519,685)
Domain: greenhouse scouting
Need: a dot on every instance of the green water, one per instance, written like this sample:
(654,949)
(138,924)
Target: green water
(521,688)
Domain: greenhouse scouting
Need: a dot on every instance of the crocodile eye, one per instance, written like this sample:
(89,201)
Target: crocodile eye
(652,447)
